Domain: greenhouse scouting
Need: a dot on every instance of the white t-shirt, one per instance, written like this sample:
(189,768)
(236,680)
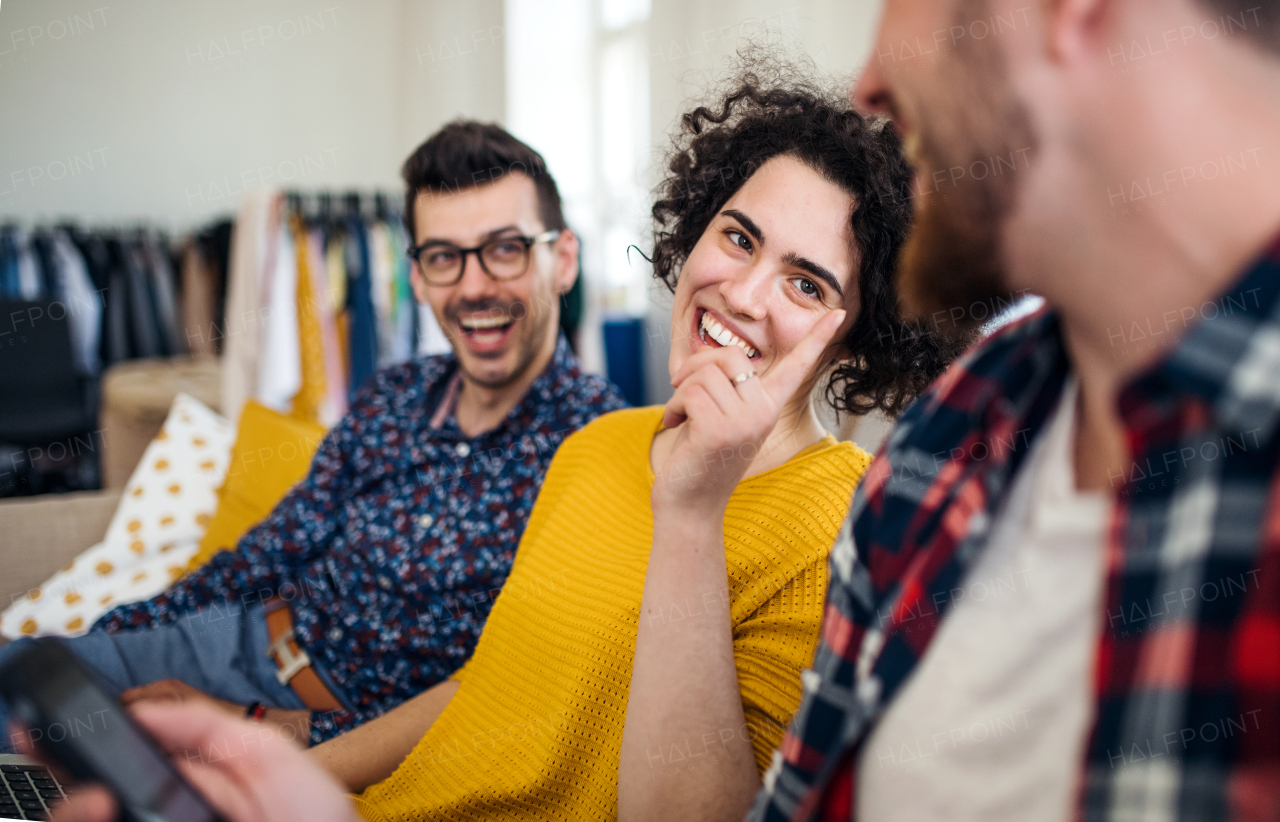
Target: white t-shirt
(991,725)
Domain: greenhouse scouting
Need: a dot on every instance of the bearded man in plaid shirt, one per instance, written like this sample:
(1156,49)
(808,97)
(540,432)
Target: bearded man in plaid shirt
(1057,595)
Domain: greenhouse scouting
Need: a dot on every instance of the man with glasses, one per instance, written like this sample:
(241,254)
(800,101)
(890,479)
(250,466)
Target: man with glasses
(372,579)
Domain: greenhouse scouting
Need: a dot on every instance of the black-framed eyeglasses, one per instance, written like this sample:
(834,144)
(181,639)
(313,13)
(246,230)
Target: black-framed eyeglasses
(503,258)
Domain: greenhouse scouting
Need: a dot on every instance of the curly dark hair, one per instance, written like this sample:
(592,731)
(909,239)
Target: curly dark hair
(769,111)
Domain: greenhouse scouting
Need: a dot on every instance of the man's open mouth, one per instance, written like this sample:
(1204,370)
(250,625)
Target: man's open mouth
(485,330)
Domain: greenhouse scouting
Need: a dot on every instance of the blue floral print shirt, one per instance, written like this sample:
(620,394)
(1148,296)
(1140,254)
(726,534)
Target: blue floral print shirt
(391,551)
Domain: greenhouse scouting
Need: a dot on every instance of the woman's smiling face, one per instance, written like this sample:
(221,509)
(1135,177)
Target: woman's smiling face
(778,256)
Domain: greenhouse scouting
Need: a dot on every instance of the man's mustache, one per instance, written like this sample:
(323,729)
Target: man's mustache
(488,308)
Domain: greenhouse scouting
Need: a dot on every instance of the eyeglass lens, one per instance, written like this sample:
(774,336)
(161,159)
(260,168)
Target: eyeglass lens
(503,258)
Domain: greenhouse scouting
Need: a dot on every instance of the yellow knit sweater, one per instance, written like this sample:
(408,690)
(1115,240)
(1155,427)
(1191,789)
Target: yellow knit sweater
(535,729)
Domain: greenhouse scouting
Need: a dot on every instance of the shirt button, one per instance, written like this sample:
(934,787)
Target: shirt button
(385,583)
(335,634)
(463,449)
(426,520)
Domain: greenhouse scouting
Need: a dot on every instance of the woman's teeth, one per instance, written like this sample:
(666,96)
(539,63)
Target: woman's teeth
(710,328)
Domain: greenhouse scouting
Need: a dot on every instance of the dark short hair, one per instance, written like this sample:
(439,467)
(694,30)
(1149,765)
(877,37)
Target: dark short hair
(771,110)
(465,154)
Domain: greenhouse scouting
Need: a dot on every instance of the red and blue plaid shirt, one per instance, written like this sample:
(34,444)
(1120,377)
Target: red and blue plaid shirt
(1186,718)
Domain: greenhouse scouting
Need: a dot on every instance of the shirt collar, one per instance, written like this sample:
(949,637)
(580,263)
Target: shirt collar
(559,375)
(556,379)
(1230,359)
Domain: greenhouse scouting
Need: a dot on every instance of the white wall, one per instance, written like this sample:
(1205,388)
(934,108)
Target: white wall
(162,111)
(165,111)
(692,41)
(452,65)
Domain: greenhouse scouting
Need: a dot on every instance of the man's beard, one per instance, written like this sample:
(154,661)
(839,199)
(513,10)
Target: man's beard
(527,345)
(951,269)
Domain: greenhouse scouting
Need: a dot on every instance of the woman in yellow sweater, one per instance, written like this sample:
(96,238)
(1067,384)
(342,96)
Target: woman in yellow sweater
(622,672)
(645,654)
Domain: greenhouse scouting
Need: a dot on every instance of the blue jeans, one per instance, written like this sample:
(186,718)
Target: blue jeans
(222,650)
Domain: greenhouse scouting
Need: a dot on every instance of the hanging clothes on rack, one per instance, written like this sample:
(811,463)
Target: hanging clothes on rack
(144,325)
(203,274)
(280,369)
(254,243)
(29,285)
(113,343)
(62,278)
(309,399)
(330,232)
(331,293)
(117,288)
(118,325)
(42,252)
(403,316)
(334,400)
(160,270)
(380,282)
(84,308)
(363,315)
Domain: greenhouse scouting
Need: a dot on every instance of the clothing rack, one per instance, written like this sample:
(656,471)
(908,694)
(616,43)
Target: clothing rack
(117,285)
(141,292)
(333,288)
(320,206)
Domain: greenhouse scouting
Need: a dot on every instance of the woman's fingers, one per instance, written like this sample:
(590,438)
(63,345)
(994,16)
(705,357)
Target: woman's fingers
(162,691)
(717,383)
(688,400)
(787,374)
(676,410)
(245,771)
(746,409)
(210,749)
(730,359)
(713,378)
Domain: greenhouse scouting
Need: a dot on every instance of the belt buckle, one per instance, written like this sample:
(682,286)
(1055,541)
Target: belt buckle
(289,662)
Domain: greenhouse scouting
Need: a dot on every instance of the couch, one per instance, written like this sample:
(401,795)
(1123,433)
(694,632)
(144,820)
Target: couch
(39,535)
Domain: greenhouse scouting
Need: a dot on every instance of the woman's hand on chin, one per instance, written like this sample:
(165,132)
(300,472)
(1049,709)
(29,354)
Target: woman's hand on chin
(722,425)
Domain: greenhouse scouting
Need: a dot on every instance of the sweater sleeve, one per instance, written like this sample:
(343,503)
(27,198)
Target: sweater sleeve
(770,648)
(297,530)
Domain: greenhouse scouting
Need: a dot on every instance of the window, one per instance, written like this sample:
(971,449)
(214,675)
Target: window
(577,85)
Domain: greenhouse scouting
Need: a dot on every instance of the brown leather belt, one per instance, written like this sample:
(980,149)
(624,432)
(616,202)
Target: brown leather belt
(295,666)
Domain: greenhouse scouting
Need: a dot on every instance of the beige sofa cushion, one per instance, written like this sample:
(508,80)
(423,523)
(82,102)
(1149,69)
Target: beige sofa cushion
(136,398)
(39,535)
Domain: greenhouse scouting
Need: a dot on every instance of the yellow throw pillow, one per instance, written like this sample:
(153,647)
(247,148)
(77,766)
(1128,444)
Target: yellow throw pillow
(272,453)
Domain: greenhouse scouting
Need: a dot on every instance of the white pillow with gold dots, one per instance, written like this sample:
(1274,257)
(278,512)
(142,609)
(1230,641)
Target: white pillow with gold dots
(167,505)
